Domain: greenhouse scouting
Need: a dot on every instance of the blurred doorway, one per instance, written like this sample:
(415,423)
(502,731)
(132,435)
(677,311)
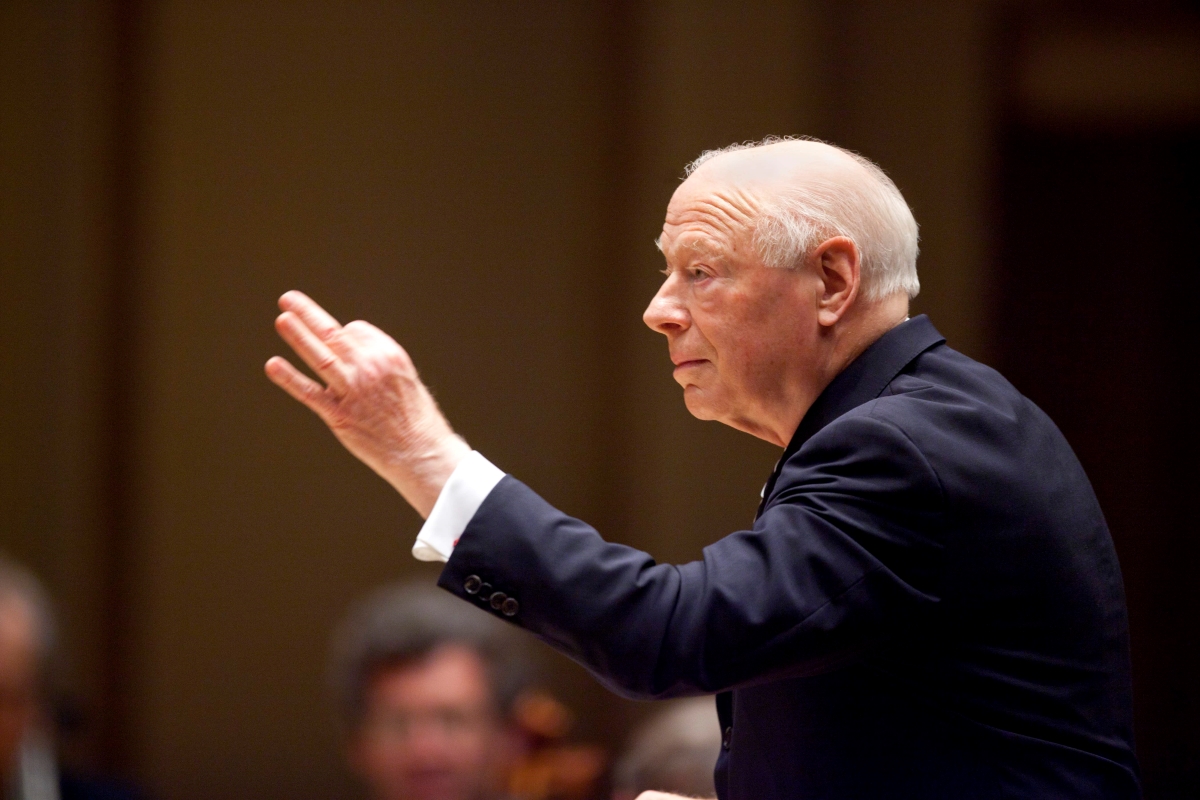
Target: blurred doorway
(1097,324)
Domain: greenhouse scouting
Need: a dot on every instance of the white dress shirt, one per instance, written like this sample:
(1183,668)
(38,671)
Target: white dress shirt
(469,485)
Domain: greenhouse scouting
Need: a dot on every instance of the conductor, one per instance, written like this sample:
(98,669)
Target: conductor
(928,604)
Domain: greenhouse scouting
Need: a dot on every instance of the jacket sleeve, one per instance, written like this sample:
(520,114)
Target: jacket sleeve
(847,550)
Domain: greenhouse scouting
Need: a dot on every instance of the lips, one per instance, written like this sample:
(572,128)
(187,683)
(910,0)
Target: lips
(693,362)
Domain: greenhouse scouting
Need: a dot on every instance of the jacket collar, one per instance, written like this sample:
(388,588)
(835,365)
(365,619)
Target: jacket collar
(861,382)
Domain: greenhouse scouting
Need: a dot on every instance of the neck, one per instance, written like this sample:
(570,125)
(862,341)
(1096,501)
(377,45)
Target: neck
(862,330)
(842,343)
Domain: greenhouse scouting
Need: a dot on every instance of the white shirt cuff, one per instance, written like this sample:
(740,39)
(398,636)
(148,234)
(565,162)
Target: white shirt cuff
(469,485)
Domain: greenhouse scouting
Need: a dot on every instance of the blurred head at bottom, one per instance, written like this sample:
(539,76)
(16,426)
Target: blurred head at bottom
(426,685)
(674,751)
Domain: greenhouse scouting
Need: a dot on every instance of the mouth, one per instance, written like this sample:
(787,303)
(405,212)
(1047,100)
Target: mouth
(694,362)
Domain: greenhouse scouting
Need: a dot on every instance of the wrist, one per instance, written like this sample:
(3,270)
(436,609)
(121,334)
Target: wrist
(421,478)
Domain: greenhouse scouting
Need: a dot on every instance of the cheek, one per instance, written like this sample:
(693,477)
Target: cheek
(754,330)
(783,309)
(722,326)
(745,342)
(483,748)
(379,757)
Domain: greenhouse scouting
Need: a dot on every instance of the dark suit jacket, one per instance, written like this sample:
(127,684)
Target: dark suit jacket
(928,605)
(75,787)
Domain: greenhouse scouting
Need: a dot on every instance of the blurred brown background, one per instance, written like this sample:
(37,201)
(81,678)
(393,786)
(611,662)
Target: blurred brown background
(484,181)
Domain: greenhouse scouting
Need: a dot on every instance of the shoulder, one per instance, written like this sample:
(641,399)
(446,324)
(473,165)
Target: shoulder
(970,426)
(943,399)
(861,453)
(943,406)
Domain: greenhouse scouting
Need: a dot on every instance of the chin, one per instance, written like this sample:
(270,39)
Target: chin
(699,405)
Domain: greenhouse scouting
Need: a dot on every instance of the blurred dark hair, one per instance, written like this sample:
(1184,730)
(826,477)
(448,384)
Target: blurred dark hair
(405,622)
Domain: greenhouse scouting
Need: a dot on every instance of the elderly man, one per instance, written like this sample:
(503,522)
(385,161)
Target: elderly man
(928,604)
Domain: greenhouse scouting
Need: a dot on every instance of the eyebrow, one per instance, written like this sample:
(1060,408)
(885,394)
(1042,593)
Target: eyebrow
(702,246)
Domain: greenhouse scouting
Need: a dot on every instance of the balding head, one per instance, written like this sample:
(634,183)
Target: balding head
(800,192)
(774,162)
(785,260)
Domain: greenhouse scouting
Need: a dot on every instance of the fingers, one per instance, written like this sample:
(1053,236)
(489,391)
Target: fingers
(299,386)
(316,318)
(313,350)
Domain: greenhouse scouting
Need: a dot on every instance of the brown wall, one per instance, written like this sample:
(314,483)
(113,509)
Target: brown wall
(55,115)
(430,169)
(483,181)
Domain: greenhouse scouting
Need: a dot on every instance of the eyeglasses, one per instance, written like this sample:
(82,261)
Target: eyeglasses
(447,722)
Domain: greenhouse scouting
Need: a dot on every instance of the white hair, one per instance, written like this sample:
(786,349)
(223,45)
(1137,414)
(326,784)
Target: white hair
(871,213)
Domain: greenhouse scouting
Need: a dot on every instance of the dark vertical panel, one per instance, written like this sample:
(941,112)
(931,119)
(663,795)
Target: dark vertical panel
(120,383)
(1096,324)
(925,114)
(621,72)
(25,83)
(1180,593)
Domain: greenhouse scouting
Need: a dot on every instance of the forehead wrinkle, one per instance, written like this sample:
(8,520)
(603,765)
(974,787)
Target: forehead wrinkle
(725,209)
(718,218)
(692,244)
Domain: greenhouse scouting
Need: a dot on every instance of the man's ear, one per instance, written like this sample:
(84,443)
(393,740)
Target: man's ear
(837,264)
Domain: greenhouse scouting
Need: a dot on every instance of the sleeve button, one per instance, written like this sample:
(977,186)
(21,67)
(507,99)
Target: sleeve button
(472,583)
(727,738)
(497,599)
(510,607)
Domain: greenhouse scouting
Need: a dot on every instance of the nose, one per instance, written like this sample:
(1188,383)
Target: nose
(667,313)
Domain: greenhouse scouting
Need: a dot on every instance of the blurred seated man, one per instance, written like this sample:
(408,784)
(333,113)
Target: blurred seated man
(426,686)
(673,752)
(28,768)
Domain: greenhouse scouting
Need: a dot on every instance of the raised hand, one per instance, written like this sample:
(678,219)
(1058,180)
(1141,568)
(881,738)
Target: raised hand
(372,400)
